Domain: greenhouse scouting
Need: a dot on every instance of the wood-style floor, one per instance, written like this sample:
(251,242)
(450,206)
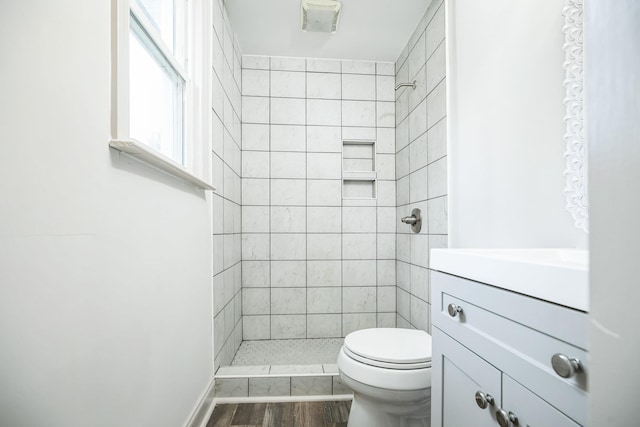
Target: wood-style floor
(281,414)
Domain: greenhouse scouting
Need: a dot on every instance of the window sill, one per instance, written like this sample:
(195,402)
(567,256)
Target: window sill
(145,154)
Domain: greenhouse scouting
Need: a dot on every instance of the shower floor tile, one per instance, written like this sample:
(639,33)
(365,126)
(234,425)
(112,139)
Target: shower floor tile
(288,352)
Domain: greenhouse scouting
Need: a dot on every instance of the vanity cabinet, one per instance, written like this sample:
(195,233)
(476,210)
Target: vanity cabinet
(492,358)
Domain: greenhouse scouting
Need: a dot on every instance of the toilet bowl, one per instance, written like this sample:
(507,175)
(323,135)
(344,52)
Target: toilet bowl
(389,371)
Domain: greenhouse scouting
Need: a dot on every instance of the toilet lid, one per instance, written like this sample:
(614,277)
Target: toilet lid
(392,348)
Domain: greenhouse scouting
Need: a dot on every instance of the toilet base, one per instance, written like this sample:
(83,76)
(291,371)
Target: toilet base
(376,407)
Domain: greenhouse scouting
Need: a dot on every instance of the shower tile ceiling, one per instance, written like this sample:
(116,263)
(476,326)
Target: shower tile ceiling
(368,29)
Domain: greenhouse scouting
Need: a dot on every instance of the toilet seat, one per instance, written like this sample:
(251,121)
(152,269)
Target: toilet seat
(390,348)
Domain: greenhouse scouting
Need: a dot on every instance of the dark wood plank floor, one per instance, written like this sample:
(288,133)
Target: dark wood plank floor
(281,414)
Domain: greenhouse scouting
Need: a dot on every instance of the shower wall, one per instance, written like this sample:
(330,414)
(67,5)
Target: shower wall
(421,164)
(314,263)
(226,207)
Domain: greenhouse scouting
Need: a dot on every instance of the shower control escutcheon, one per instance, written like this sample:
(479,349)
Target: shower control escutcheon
(414,220)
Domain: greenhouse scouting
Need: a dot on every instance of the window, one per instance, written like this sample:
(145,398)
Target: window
(156,76)
(160,76)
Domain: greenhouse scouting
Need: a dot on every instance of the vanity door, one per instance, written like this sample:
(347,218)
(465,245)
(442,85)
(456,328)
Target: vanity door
(530,410)
(470,390)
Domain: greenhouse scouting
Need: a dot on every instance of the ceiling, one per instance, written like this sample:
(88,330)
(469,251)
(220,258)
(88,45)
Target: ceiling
(368,29)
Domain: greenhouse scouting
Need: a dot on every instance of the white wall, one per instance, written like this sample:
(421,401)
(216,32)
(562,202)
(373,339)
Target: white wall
(105,298)
(613,131)
(506,125)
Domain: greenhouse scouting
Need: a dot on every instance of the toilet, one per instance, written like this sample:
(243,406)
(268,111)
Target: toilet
(389,371)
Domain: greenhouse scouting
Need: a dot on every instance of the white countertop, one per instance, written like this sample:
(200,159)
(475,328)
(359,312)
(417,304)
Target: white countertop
(560,276)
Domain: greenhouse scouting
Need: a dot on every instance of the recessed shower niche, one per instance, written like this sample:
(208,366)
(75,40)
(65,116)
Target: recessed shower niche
(359,170)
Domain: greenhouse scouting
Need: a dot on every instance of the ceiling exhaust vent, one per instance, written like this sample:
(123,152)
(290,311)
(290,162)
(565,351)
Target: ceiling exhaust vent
(320,15)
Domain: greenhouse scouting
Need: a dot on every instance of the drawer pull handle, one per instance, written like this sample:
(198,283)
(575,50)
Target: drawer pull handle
(564,366)
(483,400)
(504,418)
(454,310)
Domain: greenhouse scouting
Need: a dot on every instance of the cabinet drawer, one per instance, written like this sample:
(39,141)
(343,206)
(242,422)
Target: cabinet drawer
(517,333)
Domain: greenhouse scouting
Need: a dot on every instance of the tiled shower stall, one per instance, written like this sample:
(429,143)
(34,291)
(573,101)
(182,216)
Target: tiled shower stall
(319,159)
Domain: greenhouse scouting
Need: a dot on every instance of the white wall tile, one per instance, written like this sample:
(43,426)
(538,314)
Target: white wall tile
(385,88)
(324,300)
(418,185)
(418,121)
(255,82)
(385,68)
(386,320)
(359,219)
(288,192)
(255,164)
(311,386)
(437,178)
(288,111)
(386,246)
(323,112)
(385,114)
(324,220)
(437,141)
(288,326)
(255,219)
(386,193)
(256,327)
(287,138)
(358,273)
(323,246)
(324,273)
(324,85)
(359,299)
(437,215)
(436,104)
(420,282)
(323,65)
(386,272)
(288,274)
(358,67)
(359,87)
(403,247)
(435,31)
(260,387)
(420,313)
(436,68)
(355,322)
(403,191)
(255,137)
(288,246)
(386,299)
(418,153)
(255,274)
(419,249)
(287,165)
(255,301)
(288,300)
(288,219)
(324,166)
(324,139)
(255,62)
(255,191)
(255,246)
(255,109)
(288,84)
(358,113)
(417,57)
(386,141)
(324,326)
(324,192)
(359,246)
(359,133)
(288,64)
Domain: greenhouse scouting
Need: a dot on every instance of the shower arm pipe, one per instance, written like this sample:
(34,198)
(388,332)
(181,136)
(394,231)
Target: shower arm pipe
(412,84)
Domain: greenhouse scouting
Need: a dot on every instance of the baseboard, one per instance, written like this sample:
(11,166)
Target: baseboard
(203,408)
(268,399)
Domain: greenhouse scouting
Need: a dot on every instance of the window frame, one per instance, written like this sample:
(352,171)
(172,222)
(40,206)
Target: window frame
(196,106)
